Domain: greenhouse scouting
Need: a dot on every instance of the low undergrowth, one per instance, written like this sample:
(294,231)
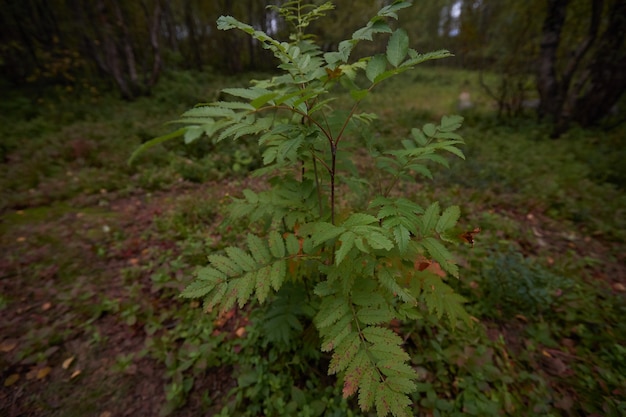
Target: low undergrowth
(94,254)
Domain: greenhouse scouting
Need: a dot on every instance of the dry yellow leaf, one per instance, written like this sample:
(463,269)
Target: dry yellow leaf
(43,372)
(240,332)
(106,414)
(12,379)
(8,345)
(75,374)
(68,362)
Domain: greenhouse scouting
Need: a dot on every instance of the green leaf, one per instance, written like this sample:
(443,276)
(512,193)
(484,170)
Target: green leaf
(153,142)
(388,281)
(359,219)
(197,289)
(441,299)
(278,273)
(368,383)
(259,249)
(263,283)
(393,367)
(448,219)
(245,287)
(430,219)
(402,237)
(243,259)
(376,239)
(293,244)
(352,379)
(277,246)
(450,123)
(347,243)
(336,333)
(331,310)
(390,10)
(376,66)
(381,336)
(373,27)
(193,133)
(225,265)
(455,151)
(344,353)
(390,401)
(209,111)
(359,94)
(375,315)
(324,232)
(397,47)
(419,137)
(429,130)
(441,255)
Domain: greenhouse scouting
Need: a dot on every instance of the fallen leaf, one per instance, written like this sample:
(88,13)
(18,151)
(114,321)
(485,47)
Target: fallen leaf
(240,332)
(106,414)
(619,287)
(21,239)
(75,374)
(46,306)
(521,317)
(12,379)
(68,362)
(43,372)
(8,345)
(468,236)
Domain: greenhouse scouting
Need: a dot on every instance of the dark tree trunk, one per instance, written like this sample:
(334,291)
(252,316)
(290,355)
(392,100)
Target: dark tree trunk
(170,25)
(605,81)
(110,61)
(582,95)
(193,43)
(157,61)
(126,42)
(550,89)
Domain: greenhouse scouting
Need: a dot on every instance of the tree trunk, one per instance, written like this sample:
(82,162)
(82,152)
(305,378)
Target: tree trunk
(112,62)
(157,61)
(604,75)
(127,46)
(550,89)
(605,81)
(193,43)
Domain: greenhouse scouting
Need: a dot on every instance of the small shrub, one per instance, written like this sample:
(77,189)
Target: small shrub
(360,263)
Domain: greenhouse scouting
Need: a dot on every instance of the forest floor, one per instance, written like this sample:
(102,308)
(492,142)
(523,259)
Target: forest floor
(61,338)
(93,255)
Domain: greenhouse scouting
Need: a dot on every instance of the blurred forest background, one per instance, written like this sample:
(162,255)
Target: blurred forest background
(566,58)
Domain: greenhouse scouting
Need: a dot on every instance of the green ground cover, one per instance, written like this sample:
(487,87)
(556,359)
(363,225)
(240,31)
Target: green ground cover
(94,253)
